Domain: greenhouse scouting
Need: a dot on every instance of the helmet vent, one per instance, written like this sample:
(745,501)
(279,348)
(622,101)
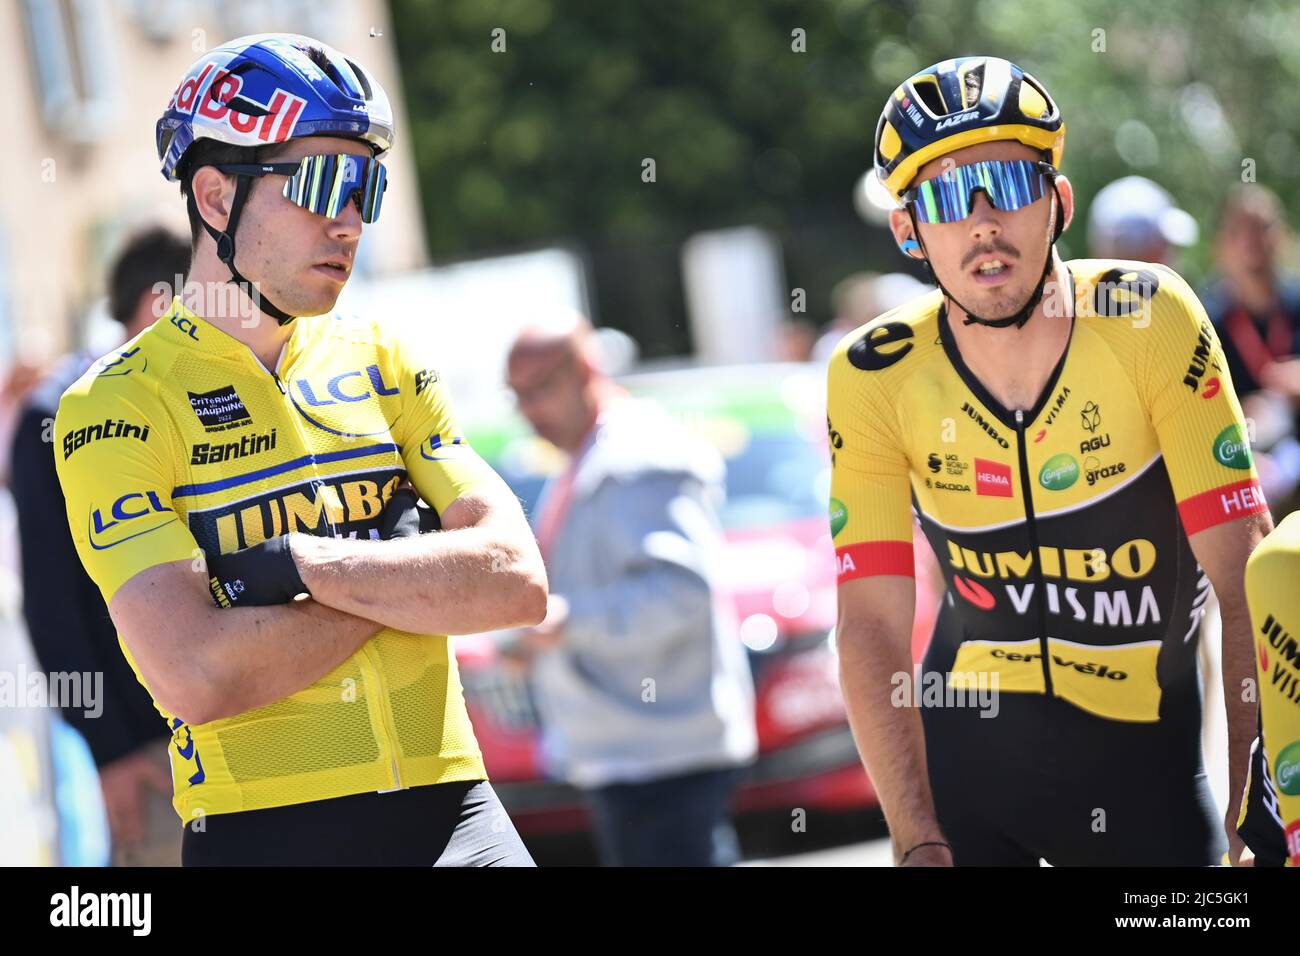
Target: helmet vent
(362,79)
(928,93)
(972,84)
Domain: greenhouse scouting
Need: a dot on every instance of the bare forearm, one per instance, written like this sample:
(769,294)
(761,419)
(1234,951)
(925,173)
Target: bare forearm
(889,738)
(454,582)
(239,659)
(1238,676)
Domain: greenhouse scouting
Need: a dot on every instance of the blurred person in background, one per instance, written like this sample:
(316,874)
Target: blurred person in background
(1134,218)
(70,629)
(861,297)
(1255,307)
(643,685)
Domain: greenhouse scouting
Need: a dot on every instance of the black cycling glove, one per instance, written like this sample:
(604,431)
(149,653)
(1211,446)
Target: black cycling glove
(257,576)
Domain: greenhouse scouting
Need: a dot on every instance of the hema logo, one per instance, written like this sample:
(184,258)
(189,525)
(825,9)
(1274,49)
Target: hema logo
(103,909)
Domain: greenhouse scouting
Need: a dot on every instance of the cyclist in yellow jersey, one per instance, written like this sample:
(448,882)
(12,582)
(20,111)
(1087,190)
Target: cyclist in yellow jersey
(1270,822)
(1067,436)
(254,427)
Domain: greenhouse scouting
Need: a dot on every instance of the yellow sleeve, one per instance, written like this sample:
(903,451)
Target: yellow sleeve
(1272,574)
(1195,411)
(114,463)
(438,459)
(871,500)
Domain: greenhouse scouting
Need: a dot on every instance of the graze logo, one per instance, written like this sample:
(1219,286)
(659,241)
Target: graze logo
(220,409)
(1231,448)
(881,346)
(974,415)
(1095,471)
(1286,663)
(119,428)
(214,94)
(116,524)
(1201,360)
(992,478)
(355,392)
(839,516)
(1059,472)
(1132,561)
(1286,771)
(343,506)
(206,453)
(130,910)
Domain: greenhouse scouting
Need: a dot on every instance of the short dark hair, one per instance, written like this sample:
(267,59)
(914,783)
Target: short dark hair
(148,258)
(209,152)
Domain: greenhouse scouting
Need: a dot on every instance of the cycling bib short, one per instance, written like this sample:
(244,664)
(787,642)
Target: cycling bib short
(1061,531)
(182,440)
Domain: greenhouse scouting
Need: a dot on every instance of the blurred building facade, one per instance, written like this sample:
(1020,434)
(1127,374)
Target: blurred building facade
(86,82)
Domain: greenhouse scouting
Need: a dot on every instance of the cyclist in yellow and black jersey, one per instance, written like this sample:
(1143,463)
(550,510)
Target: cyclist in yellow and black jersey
(1067,435)
(276,439)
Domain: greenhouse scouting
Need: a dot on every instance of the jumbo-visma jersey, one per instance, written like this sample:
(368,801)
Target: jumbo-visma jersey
(1061,530)
(183,440)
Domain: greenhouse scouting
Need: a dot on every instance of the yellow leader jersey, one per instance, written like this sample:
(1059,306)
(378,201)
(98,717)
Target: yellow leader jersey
(182,440)
(1270,822)
(1061,530)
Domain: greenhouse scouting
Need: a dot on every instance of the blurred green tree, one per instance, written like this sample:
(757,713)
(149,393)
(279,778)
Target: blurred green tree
(532,120)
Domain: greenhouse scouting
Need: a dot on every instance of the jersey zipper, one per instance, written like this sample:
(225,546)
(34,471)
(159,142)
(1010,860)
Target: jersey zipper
(1040,596)
(371,667)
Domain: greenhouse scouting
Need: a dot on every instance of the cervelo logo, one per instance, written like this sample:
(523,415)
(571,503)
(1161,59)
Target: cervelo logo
(992,478)
(214,95)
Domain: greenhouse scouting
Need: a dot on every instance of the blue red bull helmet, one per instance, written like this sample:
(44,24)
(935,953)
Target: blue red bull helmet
(264,89)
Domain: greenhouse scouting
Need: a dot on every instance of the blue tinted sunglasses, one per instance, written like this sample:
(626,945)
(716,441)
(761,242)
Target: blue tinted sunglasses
(324,184)
(1010,184)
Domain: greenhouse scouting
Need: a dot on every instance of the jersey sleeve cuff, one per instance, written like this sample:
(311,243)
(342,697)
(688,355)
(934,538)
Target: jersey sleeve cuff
(1226,503)
(873,558)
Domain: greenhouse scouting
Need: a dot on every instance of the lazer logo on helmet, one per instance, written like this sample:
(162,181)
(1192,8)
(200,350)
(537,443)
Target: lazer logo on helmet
(957,120)
(210,93)
(334,387)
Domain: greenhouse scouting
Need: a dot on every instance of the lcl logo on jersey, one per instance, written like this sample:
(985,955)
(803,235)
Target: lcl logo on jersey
(215,92)
(356,387)
(125,511)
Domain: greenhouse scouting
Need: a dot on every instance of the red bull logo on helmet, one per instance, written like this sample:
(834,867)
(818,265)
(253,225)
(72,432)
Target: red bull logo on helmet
(208,93)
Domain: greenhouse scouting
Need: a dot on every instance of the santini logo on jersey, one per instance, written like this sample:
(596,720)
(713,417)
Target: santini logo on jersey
(120,428)
(206,453)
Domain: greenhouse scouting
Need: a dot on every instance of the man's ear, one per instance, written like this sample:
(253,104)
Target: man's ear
(1066,191)
(900,224)
(213,193)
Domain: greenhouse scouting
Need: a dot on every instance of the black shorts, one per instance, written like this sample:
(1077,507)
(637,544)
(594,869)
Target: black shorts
(446,824)
(1045,779)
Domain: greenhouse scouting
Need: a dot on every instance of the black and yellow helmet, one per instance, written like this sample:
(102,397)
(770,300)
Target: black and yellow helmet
(958,103)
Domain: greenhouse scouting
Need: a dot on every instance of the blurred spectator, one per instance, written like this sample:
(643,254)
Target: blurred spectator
(69,625)
(861,297)
(643,685)
(1256,310)
(797,341)
(1134,218)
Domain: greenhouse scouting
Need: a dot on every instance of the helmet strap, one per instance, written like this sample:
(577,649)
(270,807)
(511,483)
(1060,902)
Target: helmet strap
(226,246)
(1021,316)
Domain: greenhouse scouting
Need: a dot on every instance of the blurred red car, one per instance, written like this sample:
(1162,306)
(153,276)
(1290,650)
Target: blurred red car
(769,422)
